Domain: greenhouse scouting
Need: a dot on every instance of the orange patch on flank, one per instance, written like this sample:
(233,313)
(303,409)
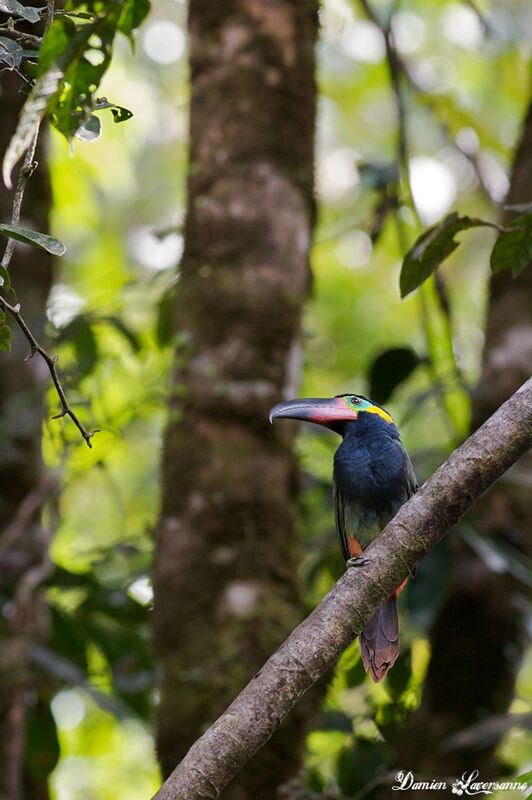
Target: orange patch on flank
(400,588)
(353,546)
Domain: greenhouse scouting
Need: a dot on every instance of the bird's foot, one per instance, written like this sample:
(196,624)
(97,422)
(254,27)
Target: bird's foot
(357,561)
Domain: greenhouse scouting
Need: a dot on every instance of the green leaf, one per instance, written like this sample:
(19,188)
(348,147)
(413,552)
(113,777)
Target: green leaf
(332,720)
(432,248)
(426,596)
(126,332)
(33,54)
(41,752)
(513,248)
(133,14)
(53,90)
(5,280)
(91,130)
(32,112)
(399,676)
(84,62)
(356,674)
(389,370)
(79,332)
(378,176)
(121,114)
(10,52)
(56,43)
(5,333)
(358,764)
(78,14)
(41,240)
(72,62)
(165,326)
(28,13)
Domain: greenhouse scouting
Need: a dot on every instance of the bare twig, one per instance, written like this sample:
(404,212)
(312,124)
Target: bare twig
(49,17)
(488,730)
(28,508)
(22,36)
(315,646)
(486,25)
(27,587)
(63,670)
(51,362)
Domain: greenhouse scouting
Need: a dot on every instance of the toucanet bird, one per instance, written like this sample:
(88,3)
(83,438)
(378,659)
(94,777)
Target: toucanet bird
(373,476)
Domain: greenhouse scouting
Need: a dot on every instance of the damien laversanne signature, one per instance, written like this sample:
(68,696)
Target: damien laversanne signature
(469,784)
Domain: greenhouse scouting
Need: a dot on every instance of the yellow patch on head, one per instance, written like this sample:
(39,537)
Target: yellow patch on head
(381,412)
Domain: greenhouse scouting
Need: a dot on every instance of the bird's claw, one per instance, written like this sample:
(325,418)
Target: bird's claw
(357,561)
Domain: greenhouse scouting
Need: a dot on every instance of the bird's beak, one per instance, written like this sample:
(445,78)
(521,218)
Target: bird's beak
(314,409)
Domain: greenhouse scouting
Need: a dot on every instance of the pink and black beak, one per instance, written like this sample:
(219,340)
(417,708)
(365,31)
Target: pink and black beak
(322,411)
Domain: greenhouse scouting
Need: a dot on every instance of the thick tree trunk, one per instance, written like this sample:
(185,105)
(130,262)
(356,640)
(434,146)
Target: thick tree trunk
(478,638)
(23,543)
(226,589)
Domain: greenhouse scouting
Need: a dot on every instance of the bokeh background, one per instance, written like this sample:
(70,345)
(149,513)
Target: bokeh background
(119,205)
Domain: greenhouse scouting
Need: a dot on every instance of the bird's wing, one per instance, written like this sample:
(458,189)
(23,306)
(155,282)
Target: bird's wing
(411,484)
(407,485)
(357,526)
(339,516)
(348,524)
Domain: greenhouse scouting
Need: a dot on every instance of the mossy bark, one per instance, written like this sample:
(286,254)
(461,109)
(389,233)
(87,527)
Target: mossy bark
(226,588)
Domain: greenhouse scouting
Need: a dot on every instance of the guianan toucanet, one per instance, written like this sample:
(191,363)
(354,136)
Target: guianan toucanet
(373,476)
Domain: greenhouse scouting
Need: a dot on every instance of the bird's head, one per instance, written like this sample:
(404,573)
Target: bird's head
(333,412)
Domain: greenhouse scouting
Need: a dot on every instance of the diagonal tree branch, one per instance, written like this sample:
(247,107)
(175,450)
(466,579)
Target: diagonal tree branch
(316,644)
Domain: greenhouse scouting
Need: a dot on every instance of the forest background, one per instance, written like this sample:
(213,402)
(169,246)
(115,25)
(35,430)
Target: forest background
(421,110)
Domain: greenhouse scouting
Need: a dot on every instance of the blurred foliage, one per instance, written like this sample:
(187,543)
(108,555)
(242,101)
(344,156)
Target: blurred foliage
(119,205)
(72,59)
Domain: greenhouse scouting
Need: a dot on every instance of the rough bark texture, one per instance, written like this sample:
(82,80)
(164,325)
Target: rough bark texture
(23,543)
(318,642)
(226,592)
(478,638)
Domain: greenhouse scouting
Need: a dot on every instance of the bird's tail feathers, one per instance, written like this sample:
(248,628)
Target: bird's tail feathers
(379,641)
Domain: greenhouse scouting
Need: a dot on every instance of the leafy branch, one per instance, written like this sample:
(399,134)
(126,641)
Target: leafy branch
(73,58)
(512,249)
(64,90)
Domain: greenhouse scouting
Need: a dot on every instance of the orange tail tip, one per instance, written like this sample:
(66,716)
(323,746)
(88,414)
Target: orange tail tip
(379,641)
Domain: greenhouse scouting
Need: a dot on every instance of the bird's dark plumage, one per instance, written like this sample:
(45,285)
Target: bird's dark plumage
(373,477)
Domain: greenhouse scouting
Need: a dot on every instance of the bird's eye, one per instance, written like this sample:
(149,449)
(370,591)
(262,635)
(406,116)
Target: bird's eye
(355,401)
